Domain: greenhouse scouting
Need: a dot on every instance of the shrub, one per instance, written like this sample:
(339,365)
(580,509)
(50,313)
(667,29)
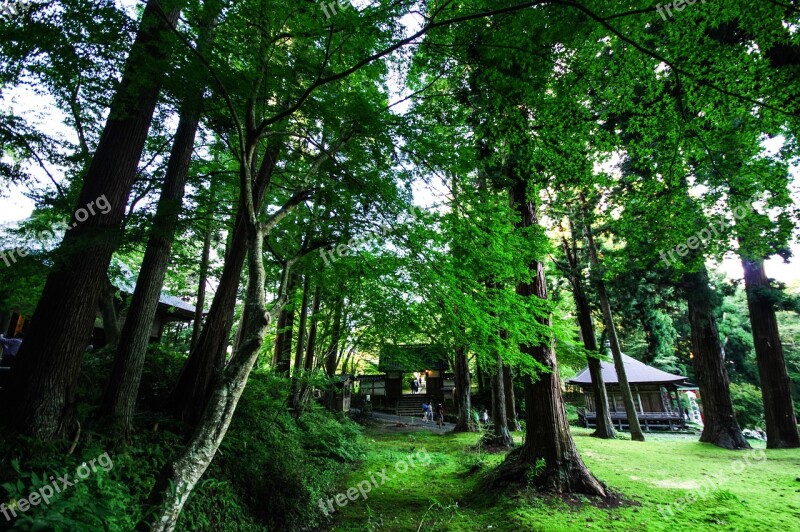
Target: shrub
(748,405)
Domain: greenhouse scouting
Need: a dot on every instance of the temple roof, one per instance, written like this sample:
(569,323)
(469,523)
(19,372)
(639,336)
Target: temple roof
(637,372)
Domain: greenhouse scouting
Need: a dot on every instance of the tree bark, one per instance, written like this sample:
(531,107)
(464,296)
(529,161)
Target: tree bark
(708,356)
(201,287)
(108,310)
(179,477)
(605,427)
(511,403)
(282,357)
(779,410)
(119,400)
(549,458)
(463,392)
(42,396)
(191,391)
(308,364)
(608,317)
(501,437)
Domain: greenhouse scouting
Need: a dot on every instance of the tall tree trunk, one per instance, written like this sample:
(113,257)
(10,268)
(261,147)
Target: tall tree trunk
(501,436)
(549,452)
(719,421)
(282,358)
(608,318)
(108,310)
(480,374)
(463,392)
(191,391)
(331,356)
(299,351)
(197,324)
(779,411)
(308,364)
(511,403)
(604,426)
(179,477)
(42,395)
(119,400)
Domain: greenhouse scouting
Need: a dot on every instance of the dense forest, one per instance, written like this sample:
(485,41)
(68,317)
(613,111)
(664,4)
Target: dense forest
(245,242)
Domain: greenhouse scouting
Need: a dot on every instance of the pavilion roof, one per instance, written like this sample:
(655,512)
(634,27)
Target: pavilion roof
(637,372)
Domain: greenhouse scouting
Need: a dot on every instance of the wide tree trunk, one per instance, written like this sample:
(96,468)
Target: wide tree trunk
(779,410)
(719,421)
(119,400)
(108,311)
(463,391)
(511,403)
(500,437)
(616,351)
(189,395)
(42,395)
(549,458)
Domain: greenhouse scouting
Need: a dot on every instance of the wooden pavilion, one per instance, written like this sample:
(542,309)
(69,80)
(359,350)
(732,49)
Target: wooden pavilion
(655,395)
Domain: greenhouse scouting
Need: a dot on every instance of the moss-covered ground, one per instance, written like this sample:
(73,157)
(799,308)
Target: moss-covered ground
(670,482)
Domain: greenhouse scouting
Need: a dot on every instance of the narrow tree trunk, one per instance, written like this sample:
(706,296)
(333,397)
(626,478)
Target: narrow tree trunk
(197,324)
(511,403)
(549,458)
(605,427)
(501,436)
(179,477)
(108,310)
(191,391)
(719,421)
(308,365)
(779,411)
(42,395)
(616,351)
(299,351)
(282,358)
(331,356)
(463,392)
(119,400)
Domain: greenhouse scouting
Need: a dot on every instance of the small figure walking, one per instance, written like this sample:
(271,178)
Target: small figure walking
(424,412)
(485,417)
(414,386)
(440,415)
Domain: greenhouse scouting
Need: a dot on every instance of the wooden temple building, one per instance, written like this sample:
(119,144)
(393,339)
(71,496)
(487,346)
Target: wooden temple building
(397,361)
(655,395)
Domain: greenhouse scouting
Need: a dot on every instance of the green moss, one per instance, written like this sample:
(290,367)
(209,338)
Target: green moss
(651,475)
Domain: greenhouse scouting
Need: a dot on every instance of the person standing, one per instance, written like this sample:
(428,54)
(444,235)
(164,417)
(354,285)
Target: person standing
(440,415)
(485,417)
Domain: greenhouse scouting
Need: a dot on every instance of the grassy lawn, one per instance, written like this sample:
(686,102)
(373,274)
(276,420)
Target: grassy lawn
(433,490)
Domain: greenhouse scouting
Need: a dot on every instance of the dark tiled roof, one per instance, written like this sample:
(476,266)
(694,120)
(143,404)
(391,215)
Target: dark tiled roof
(637,372)
(410,358)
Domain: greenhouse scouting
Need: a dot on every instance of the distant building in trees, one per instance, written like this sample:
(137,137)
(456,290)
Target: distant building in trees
(655,395)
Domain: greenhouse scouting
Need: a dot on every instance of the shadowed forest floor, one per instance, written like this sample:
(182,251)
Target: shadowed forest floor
(430,482)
